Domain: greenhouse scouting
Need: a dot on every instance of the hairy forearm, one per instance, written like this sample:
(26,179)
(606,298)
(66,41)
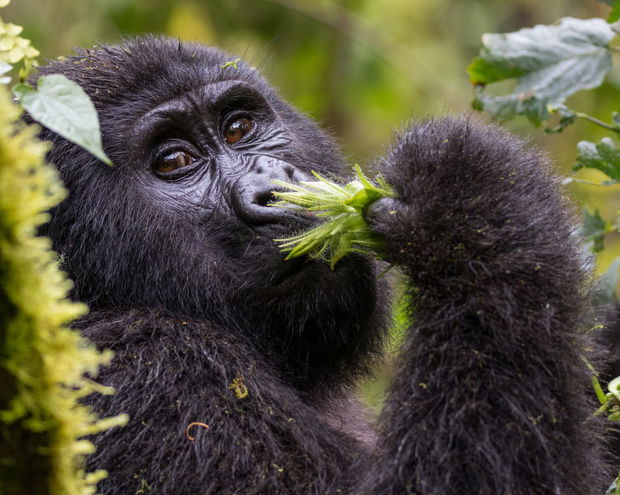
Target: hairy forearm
(490,372)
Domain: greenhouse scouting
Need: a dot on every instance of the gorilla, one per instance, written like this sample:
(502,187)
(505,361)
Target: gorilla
(237,366)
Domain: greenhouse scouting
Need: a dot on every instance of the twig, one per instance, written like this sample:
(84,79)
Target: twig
(595,121)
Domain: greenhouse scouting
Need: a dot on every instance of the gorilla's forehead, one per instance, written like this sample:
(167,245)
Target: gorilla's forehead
(161,69)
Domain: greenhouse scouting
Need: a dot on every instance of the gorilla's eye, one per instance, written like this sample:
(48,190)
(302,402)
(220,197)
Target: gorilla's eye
(236,129)
(173,161)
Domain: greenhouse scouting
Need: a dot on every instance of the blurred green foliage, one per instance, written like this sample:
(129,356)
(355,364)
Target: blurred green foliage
(361,67)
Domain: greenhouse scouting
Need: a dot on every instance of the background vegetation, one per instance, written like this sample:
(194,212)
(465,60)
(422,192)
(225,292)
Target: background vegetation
(361,67)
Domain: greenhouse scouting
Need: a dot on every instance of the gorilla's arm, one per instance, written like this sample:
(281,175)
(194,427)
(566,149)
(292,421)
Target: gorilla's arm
(490,392)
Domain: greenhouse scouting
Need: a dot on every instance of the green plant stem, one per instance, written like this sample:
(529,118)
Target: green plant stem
(595,121)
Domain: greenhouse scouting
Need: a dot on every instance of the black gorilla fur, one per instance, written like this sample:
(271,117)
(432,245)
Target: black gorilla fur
(187,287)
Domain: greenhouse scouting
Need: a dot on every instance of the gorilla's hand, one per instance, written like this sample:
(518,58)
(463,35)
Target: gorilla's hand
(468,195)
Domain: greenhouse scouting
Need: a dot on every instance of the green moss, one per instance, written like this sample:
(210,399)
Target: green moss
(42,362)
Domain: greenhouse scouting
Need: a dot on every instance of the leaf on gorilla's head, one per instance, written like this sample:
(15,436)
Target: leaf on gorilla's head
(63,107)
(549,63)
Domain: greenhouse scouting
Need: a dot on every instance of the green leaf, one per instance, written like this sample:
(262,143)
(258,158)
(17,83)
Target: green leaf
(63,107)
(609,283)
(614,15)
(594,228)
(567,117)
(549,62)
(485,70)
(508,107)
(603,156)
(233,63)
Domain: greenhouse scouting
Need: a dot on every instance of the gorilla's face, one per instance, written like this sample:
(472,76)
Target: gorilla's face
(206,158)
(182,220)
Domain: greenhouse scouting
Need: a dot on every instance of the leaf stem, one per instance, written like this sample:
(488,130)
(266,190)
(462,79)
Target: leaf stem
(595,121)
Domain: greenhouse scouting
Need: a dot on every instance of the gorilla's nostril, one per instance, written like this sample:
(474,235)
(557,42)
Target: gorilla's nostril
(264,198)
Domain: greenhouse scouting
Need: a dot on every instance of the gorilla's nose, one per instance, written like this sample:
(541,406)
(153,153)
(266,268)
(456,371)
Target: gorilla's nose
(253,193)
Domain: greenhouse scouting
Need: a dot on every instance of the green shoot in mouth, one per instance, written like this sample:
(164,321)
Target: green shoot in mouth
(344,207)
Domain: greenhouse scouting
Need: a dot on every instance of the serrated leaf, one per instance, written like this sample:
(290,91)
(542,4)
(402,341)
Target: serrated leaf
(63,107)
(549,62)
(508,107)
(594,228)
(483,70)
(603,156)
